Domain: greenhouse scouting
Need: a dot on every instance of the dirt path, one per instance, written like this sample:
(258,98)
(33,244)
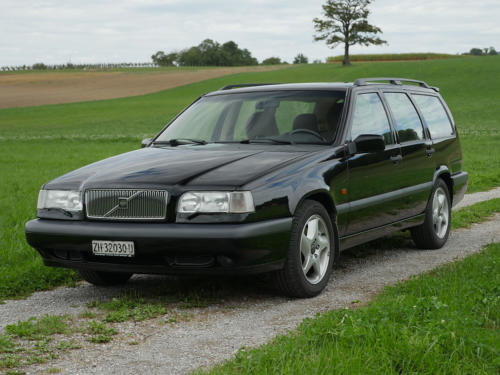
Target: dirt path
(32,89)
(217,332)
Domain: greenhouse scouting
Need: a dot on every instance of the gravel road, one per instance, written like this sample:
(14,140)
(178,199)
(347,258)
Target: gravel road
(217,332)
(470,199)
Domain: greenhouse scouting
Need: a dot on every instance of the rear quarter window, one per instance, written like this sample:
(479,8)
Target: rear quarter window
(405,116)
(435,115)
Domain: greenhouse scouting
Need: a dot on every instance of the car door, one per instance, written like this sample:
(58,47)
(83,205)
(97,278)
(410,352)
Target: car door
(375,176)
(417,167)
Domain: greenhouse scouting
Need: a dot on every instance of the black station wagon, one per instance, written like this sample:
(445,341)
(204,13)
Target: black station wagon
(276,178)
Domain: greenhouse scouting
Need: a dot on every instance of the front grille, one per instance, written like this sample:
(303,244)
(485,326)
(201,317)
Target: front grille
(126,204)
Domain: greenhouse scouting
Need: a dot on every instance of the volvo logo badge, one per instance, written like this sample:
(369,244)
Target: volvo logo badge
(123,202)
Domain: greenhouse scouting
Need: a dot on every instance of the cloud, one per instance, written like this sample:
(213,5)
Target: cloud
(57,31)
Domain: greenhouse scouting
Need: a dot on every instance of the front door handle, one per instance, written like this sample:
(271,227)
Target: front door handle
(429,152)
(396,158)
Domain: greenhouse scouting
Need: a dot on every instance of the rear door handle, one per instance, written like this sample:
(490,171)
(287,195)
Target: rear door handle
(396,158)
(429,152)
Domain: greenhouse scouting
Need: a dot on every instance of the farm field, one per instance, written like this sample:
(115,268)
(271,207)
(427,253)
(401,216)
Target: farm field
(49,87)
(40,143)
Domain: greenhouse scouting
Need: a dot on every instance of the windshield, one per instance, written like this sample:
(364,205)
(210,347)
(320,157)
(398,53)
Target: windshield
(273,116)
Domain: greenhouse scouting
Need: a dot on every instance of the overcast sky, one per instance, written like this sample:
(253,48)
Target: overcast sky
(90,31)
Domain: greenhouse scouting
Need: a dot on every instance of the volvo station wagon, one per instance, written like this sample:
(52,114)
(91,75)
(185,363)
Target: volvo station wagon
(264,178)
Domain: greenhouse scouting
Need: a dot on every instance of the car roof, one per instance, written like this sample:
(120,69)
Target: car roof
(233,89)
(379,82)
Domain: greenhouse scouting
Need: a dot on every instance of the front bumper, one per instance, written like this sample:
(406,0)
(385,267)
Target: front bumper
(164,248)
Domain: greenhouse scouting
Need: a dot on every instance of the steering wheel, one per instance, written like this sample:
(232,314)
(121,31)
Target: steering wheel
(308,131)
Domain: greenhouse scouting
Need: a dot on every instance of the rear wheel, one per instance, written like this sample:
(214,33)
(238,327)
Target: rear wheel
(100,278)
(310,255)
(434,232)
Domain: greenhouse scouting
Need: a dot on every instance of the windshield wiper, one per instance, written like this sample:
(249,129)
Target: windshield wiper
(272,140)
(181,141)
(259,140)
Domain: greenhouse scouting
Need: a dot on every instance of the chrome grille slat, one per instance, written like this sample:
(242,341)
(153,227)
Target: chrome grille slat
(141,204)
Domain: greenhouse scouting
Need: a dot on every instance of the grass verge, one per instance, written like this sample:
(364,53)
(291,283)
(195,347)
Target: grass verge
(475,214)
(443,322)
(41,340)
(35,341)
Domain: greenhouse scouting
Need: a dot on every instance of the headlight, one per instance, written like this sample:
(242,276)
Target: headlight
(64,199)
(236,202)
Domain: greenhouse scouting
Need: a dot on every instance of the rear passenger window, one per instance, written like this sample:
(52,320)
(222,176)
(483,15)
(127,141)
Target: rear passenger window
(369,117)
(435,115)
(405,116)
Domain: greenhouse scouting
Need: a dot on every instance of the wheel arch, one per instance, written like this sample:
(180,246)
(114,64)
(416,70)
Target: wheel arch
(443,172)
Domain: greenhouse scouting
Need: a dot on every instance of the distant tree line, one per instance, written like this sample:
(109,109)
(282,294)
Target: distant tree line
(207,53)
(100,66)
(482,52)
(212,53)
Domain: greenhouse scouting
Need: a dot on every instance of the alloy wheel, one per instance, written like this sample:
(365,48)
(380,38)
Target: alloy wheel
(440,213)
(315,249)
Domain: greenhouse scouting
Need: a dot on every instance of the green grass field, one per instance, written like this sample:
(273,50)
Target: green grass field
(40,143)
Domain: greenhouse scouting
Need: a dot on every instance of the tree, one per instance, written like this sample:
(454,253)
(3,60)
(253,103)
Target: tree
(492,51)
(346,21)
(476,52)
(39,66)
(211,53)
(160,59)
(272,61)
(300,59)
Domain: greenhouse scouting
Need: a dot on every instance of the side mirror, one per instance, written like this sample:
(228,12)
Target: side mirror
(367,143)
(146,142)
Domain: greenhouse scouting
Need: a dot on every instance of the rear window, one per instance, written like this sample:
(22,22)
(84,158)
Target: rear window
(435,115)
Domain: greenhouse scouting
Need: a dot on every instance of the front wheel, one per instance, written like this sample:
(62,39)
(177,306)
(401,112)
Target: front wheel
(434,232)
(101,278)
(310,255)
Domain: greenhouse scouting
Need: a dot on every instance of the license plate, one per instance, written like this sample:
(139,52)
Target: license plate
(113,248)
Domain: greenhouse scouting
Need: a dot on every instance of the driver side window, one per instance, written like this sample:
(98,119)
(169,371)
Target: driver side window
(369,117)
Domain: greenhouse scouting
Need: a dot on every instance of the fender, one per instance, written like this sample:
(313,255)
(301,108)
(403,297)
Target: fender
(439,172)
(444,172)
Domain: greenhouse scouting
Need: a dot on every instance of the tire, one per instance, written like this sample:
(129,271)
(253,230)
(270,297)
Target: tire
(100,278)
(310,254)
(435,230)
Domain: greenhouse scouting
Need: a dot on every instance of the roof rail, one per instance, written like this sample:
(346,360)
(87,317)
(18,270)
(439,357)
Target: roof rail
(393,81)
(230,87)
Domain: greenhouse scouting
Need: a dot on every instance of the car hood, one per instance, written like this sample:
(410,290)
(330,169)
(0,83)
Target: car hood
(209,165)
